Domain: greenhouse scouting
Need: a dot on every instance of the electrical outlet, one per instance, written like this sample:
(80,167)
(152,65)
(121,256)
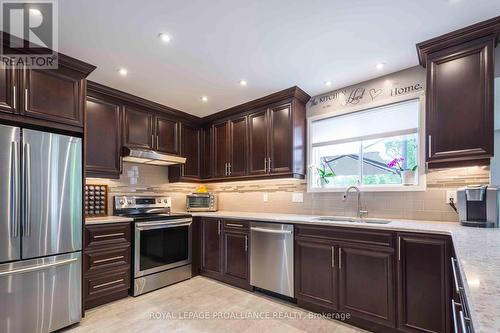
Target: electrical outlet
(298,197)
(451,195)
(265,196)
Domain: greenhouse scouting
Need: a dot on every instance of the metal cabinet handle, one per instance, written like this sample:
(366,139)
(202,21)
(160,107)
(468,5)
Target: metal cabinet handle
(235,225)
(269,165)
(14,190)
(340,258)
(27,190)
(26,99)
(455,276)
(265,164)
(218,227)
(399,248)
(333,256)
(14,97)
(108,259)
(110,235)
(429,150)
(454,312)
(229,169)
(157,141)
(106,284)
(246,243)
(462,321)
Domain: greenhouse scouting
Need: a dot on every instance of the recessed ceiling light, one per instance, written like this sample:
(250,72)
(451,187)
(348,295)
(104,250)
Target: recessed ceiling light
(380,65)
(122,72)
(243,83)
(164,37)
(204,99)
(328,83)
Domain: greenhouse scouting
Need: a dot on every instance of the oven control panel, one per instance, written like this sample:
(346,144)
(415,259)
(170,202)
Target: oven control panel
(133,202)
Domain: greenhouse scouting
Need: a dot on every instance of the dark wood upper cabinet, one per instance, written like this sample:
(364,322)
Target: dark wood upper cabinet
(206,152)
(167,135)
(103,138)
(459,110)
(424,283)
(221,149)
(280,139)
(9,98)
(211,245)
(190,148)
(316,275)
(258,125)
(238,146)
(54,95)
(138,129)
(367,284)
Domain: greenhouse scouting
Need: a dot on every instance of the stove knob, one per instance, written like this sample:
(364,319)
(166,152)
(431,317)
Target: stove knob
(165,200)
(130,202)
(121,202)
(158,201)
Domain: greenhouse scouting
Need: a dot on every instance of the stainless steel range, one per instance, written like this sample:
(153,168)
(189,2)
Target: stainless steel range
(162,241)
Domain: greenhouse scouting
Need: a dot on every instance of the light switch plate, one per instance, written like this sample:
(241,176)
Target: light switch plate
(451,195)
(265,196)
(298,197)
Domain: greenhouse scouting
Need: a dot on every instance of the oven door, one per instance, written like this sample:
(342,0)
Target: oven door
(161,245)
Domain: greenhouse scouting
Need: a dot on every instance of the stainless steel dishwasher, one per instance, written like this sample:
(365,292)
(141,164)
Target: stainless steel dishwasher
(271,257)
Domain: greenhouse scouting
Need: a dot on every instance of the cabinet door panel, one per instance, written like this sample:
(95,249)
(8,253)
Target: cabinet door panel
(236,255)
(238,147)
(460,103)
(103,138)
(211,245)
(206,153)
(280,139)
(221,144)
(315,273)
(55,95)
(8,79)
(423,296)
(190,148)
(258,127)
(367,283)
(167,132)
(138,129)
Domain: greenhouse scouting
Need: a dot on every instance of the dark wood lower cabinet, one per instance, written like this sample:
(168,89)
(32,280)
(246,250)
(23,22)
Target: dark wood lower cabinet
(424,283)
(366,283)
(315,274)
(106,263)
(225,251)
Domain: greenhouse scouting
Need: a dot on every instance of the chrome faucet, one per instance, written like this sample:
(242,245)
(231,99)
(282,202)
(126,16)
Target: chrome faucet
(346,194)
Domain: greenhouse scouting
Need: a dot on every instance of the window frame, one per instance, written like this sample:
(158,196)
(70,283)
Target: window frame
(422,183)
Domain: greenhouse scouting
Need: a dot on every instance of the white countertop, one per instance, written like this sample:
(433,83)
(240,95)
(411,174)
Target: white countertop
(477,251)
(107,219)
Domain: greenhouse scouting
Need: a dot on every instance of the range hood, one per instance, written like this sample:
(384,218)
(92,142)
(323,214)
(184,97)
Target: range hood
(151,157)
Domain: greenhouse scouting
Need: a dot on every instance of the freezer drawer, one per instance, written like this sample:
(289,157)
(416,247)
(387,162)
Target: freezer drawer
(271,257)
(52,186)
(40,295)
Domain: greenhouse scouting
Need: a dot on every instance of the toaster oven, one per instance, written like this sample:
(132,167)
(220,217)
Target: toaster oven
(201,202)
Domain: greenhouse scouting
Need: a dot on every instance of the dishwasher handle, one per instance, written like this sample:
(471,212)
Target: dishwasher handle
(271,231)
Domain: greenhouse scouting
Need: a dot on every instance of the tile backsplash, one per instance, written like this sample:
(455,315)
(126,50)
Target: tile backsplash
(249,195)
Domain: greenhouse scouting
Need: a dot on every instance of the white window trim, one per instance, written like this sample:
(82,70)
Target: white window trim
(422,181)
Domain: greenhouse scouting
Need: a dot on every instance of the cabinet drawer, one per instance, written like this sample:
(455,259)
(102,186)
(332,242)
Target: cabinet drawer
(106,258)
(371,237)
(97,235)
(100,285)
(235,225)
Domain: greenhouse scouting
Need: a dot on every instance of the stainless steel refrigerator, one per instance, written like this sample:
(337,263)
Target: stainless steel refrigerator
(40,230)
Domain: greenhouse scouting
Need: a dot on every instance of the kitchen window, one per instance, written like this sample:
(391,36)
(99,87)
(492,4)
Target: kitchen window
(368,148)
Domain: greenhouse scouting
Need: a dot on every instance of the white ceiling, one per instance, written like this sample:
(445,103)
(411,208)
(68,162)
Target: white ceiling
(273,44)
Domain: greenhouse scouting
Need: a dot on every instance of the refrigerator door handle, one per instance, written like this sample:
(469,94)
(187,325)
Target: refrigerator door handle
(38,268)
(14,190)
(27,190)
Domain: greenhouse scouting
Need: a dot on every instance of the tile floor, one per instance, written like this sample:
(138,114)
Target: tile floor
(169,310)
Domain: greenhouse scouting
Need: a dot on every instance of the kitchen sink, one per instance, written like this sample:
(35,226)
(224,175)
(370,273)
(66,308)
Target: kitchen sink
(351,219)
